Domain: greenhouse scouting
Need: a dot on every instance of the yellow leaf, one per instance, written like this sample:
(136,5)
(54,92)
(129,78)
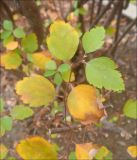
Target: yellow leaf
(83,104)
(86,151)
(36,91)
(3,151)
(132,150)
(63,40)
(11,60)
(40,59)
(12,45)
(36,148)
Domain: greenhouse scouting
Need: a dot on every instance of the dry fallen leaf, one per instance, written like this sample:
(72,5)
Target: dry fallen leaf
(132,150)
(86,151)
(36,148)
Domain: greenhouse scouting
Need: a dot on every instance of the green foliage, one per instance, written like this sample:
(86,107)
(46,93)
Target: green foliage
(63,40)
(6,124)
(5,34)
(64,68)
(72,156)
(58,79)
(103,154)
(7,25)
(51,65)
(49,73)
(7,40)
(130,109)
(36,90)
(101,72)
(19,33)
(21,112)
(93,40)
(29,43)
(2,103)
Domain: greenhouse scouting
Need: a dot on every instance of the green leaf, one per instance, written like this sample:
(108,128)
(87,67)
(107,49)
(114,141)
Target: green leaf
(72,156)
(130,109)
(19,33)
(7,40)
(5,34)
(2,105)
(49,73)
(63,40)
(51,65)
(21,112)
(8,25)
(101,72)
(29,43)
(64,68)
(103,154)
(75,4)
(82,11)
(93,39)
(58,79)
(6,123)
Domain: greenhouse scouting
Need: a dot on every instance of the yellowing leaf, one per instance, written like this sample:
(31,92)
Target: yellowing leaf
(83,104)
(67,77)
(63,40)
(86,151)
(11,60)
(103,154)
(36,91)
(11,45)
(40,59)
(3,151)
(132,150)
(36,148)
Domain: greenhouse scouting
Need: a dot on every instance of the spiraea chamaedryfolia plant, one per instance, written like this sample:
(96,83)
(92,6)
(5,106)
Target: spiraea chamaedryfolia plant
(50,74)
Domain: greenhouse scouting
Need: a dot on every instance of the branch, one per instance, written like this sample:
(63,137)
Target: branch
(66,128)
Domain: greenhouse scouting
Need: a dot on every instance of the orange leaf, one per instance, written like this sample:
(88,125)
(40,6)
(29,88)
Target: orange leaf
(132,150)
(83,104)
(86,151)
(12,45)
(40,59)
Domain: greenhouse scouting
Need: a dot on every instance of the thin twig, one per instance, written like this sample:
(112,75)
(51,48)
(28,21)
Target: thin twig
(118,19)
(114,46)
(102,13)
(65,129)
(99,6)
